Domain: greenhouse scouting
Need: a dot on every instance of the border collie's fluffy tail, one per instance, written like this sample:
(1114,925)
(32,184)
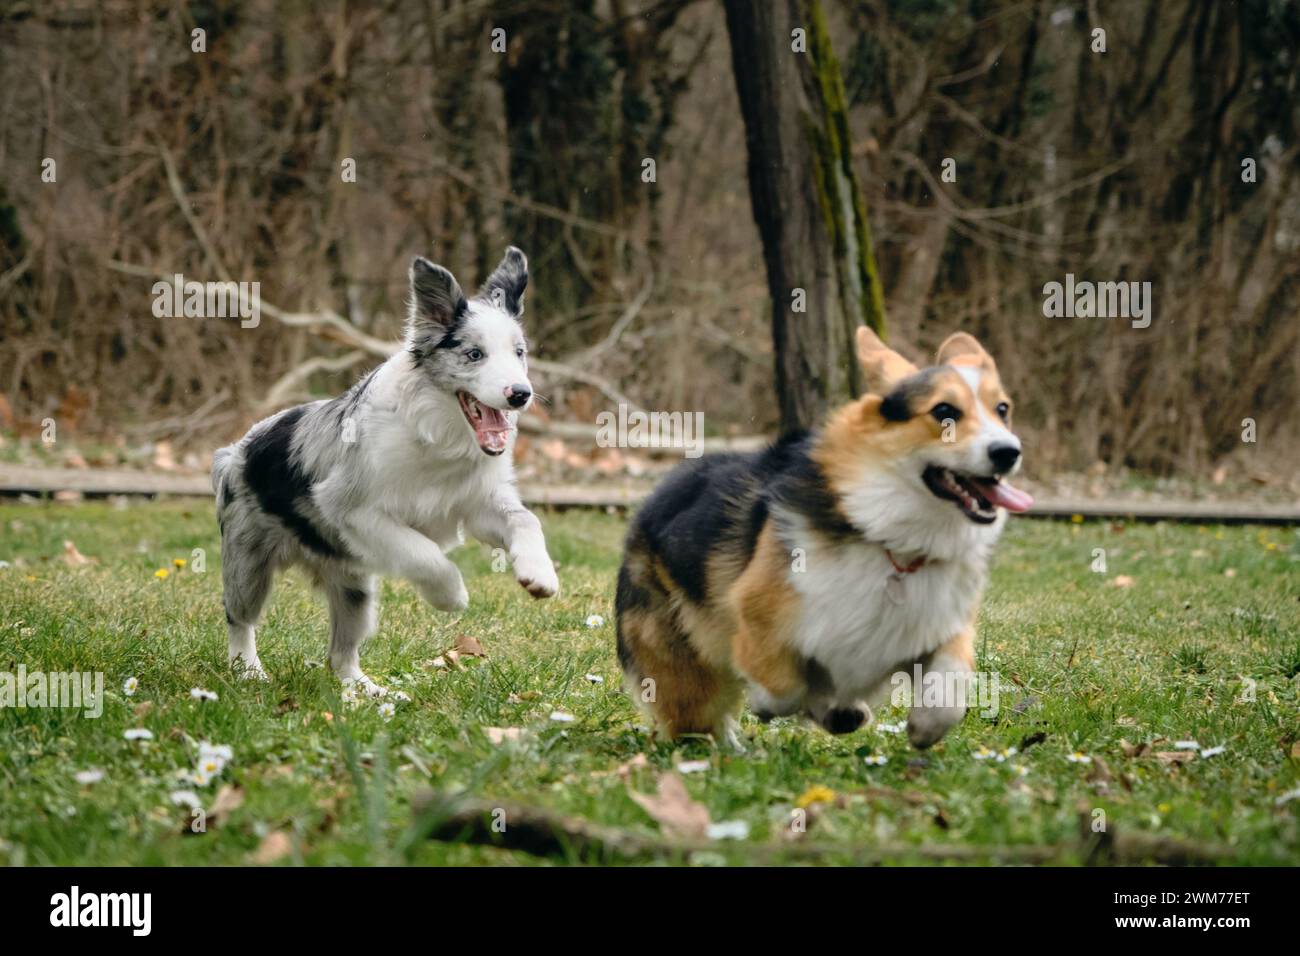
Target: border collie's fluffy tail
(220,462)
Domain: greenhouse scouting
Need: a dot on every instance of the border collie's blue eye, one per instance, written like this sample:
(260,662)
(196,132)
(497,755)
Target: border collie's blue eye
(474,355)
(1003,410)
(943,412)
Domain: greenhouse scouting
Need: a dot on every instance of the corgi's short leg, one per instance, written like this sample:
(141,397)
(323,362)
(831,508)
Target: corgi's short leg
(951,665)
(668,680)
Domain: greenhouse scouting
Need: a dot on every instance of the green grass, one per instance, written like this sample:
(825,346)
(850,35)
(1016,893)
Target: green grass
(1088,663)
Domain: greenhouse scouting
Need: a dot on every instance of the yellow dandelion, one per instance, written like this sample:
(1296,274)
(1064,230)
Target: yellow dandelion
(814,794)
(1077,519)
(161,573)
(178,563)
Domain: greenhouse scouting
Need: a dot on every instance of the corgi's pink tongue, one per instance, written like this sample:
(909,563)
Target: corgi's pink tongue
(1001,493)
(492,429)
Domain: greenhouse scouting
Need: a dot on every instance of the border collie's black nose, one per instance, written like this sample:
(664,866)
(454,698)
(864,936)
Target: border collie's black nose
(1004,457)
(518,395)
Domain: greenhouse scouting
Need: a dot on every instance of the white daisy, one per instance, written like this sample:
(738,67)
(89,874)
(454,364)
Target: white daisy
(130,686)
(875,760)
(198,693)
(185,798)
(1077,757)
(1212,751)
(138,733)
(693,766)
(891,728)
(87,777)
(387,709)
(1186,745)
(729,830)
(560,717)
(595,621)
(594,678)
(220,752)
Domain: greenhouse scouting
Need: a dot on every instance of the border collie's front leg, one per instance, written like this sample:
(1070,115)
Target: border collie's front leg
(506,523)
(394,548)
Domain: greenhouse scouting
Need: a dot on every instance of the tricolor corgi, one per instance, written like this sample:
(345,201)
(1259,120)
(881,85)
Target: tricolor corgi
(805,575)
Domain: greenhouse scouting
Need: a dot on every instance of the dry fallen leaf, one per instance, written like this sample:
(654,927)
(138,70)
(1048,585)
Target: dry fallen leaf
(72,557)
(1121,581)
(499,735)
(274,846)
(1169,757)
(142,709)
(673,809)
(228,799)
(467,646)
(1133,750)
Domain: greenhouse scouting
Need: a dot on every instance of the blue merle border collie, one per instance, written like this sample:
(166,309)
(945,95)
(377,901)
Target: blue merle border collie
(386,478)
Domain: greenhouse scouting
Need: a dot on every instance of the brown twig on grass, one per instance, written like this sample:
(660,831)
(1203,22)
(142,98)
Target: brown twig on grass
(541,832)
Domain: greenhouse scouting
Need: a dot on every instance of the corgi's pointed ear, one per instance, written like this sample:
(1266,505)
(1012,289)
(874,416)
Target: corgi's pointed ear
(505,287)
(437,303)
(881,365)
(961,348)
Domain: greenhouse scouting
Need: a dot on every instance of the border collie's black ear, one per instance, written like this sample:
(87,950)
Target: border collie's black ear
(437,302)
(505,286)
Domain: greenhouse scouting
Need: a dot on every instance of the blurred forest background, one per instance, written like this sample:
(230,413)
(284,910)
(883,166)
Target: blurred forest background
(1123,165)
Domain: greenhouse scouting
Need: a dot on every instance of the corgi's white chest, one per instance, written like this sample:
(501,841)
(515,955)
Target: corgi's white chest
(861,627)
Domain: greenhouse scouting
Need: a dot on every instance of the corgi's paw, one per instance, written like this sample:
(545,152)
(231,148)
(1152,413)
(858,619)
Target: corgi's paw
(845,719)
(927,725)
(536,575)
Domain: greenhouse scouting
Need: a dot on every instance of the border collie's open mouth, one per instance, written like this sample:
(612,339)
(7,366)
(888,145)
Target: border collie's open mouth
(977,497)
(491,427)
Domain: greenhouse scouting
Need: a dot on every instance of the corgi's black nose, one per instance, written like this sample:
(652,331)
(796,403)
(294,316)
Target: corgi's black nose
(518,395)
(1004,457)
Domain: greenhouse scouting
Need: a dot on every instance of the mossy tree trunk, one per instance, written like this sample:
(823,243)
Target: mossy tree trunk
(811,215)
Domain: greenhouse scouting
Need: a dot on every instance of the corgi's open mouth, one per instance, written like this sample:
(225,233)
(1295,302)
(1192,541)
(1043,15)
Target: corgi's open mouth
(977,497)
(491,427)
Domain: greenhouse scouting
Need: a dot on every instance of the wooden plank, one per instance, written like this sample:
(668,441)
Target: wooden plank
(24,479)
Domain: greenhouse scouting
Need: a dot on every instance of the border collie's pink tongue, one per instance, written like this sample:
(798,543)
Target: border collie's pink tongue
(492,429)
(1001,493)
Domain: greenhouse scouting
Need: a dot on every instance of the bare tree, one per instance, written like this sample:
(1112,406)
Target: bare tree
(810,212)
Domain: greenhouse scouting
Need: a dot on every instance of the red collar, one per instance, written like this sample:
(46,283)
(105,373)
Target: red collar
(905,569)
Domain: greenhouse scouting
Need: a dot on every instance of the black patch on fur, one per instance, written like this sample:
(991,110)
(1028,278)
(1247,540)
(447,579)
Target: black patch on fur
(818,678)
(355,596)
(720,503)
(279,483)
(802,488)
(229,619)
(900,404)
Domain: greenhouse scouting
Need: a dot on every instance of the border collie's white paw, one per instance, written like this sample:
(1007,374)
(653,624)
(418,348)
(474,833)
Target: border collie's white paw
(537,576)
(446,595)
(246,669)
(363,686)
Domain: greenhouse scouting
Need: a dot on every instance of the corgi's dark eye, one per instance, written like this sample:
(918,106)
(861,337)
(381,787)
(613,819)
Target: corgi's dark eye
(474,355)
(944,412)
(1003,410)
